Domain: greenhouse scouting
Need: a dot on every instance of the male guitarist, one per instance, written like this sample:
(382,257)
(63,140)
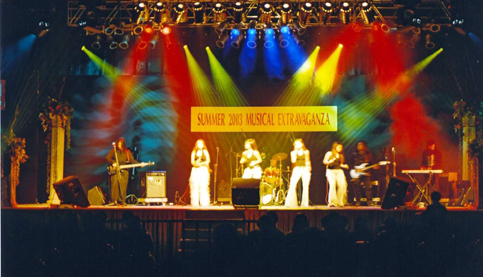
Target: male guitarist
(119,155)
(363,155)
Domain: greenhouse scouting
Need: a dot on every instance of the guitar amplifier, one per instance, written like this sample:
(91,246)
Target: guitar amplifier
(153,185)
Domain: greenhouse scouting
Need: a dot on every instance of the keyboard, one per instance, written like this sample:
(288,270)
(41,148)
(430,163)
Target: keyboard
(422,171)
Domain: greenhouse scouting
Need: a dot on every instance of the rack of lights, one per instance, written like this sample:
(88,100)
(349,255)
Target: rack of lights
(119,17)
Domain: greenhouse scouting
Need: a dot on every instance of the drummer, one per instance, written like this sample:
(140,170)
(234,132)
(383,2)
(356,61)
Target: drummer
(272,173)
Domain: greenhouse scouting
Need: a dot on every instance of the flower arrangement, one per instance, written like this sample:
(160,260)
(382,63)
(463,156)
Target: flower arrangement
(18,155)
(53,108)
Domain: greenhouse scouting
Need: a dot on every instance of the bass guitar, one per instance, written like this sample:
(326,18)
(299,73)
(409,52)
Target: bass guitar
(359,170)
(112,169)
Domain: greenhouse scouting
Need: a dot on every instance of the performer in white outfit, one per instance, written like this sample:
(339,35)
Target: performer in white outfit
(200,175)
(300,158)
(252,158)
(334,160)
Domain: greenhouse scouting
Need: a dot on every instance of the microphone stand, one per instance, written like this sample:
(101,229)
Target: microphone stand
(214,177)
(231,164)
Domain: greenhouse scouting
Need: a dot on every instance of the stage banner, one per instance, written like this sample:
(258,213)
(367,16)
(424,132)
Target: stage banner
(264,119)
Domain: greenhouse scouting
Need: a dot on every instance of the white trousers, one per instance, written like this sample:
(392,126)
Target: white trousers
(200,186)
(337,187)
(252,173)
(299,172)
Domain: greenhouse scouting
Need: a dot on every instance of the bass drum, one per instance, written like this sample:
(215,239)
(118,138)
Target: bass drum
(266,194)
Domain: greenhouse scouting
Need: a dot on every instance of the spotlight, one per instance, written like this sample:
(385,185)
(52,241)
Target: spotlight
(220,43)
(401,41)
(138,30)
(367,12)
(435,28)
(219,13)
(266,13)
(269,38)
(161,13)
(283,42)
(429,42)
(286,16)
(152,43)
(97,43)
(325,11)
(345,12)
(252,26)
(298,41)
(299,28)
(285,30)
(43,28)
(142,45)
(199,11)
(166,30)
(124,44)
(119,31)
(109,30)
(413,40)
(220,29)
(236,41)
(142,12)
(458,22)
(148,29)
(238,14)
(251,35)
(112,43)
(181,13)
(304,13)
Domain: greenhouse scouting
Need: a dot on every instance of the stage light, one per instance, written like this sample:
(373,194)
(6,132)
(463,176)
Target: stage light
(220,43)
(298,41)
(413,40)
(299,28)
(252,27)
(220,29)
(161,13)
(142,12)
(181,13)
(235,32)
(109,30)
(138,30)
(124,44)
(429,42)
(219,13)
(283,42)
(266,13)
(285,30)
(199,10)
(97,43)
(286,17)
(367,12)
(252,35)
(153,42)
(341,45)
(457,21)
(119,30)
(325,12)
(236,41)
(401,41)
(166,30)
(435,28)
(148,29)
(42,28)
(345,12)
(269,38)
(252,31)
(304,13)
(238,14)
(112,42)
(142,45)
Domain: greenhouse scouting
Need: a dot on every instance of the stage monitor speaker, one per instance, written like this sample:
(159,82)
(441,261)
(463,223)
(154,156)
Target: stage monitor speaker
(152,184)
(245,192)
(96,196)
(223,192)
(70,191)
(395,193)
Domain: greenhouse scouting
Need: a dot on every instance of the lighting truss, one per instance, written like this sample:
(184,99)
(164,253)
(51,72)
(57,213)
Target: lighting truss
(119,14)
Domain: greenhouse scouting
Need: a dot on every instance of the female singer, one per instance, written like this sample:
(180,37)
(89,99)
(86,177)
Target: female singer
(334,160)
(200,175)
(300,157)
(251,156)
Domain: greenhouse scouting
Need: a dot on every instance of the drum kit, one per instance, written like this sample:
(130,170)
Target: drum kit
(272,187)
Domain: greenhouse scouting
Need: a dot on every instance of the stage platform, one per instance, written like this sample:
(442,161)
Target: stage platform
(178,229)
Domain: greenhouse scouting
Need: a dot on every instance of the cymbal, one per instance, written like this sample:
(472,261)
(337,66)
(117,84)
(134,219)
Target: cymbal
(279,156)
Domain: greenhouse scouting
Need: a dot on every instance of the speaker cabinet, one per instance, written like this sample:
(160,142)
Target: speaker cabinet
(245,192)
(223,192)
(70,191)
(152,184)
(96,196)
(395,193)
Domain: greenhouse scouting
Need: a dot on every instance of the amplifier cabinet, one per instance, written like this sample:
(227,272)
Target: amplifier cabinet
(152,184)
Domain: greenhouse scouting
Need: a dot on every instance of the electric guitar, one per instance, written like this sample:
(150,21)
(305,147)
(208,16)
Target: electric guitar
(359,170)
(112,169)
